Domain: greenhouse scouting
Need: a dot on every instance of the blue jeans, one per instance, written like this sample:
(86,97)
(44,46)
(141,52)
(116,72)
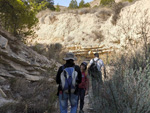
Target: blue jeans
(63,101)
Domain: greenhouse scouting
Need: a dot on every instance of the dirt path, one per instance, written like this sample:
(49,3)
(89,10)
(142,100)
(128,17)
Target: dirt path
(87,108)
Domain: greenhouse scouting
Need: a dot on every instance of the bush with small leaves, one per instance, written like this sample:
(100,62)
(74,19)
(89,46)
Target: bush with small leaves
(106,2)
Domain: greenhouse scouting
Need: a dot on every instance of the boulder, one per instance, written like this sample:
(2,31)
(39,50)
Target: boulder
(3,42)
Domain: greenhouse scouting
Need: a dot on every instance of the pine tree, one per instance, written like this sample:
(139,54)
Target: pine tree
(81,4)
(39,5)
(87,5)
(73,4)
(57,8)
(17,17)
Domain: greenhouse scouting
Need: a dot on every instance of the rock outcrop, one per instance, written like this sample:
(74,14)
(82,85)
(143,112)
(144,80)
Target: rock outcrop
(19,62)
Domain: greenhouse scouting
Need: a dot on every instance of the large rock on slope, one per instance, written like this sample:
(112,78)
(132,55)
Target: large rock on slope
(19,62)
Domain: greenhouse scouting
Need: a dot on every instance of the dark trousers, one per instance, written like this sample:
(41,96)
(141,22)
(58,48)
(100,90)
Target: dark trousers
(81,97)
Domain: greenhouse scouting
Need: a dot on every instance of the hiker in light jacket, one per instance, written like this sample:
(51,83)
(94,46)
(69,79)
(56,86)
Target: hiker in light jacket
(65,95)
(100,66)
(96,69)
(83,86)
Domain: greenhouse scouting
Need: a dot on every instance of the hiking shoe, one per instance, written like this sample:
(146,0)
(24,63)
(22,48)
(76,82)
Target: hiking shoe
(81,111)
(91,110)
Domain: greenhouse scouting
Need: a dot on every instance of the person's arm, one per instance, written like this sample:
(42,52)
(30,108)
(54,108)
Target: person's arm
(88,65)
(91,61)
(103,70)
(58,81)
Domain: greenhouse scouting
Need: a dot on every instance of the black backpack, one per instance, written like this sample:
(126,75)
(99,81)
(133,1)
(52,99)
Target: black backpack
(93,70)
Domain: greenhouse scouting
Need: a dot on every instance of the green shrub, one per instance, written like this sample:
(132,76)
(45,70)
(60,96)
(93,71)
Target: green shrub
(106,2)
(129,0)
(17,17)
(82,4)
(57,8)
(73,4)
(128,92)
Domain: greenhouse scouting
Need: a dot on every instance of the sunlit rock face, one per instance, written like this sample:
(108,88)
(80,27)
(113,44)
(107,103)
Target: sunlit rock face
(73,31)
(84,32)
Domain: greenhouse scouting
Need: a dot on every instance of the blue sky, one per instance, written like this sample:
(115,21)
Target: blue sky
(66,2)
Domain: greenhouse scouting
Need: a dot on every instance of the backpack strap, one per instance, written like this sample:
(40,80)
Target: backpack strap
(63,67)
(95,61)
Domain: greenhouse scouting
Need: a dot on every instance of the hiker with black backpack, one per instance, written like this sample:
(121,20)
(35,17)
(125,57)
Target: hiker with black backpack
(68,77)
(96,69)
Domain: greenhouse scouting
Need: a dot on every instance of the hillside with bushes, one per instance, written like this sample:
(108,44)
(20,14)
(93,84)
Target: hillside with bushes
(107,28)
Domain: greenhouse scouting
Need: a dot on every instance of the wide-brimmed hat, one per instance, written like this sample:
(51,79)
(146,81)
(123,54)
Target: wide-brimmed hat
(70,56)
